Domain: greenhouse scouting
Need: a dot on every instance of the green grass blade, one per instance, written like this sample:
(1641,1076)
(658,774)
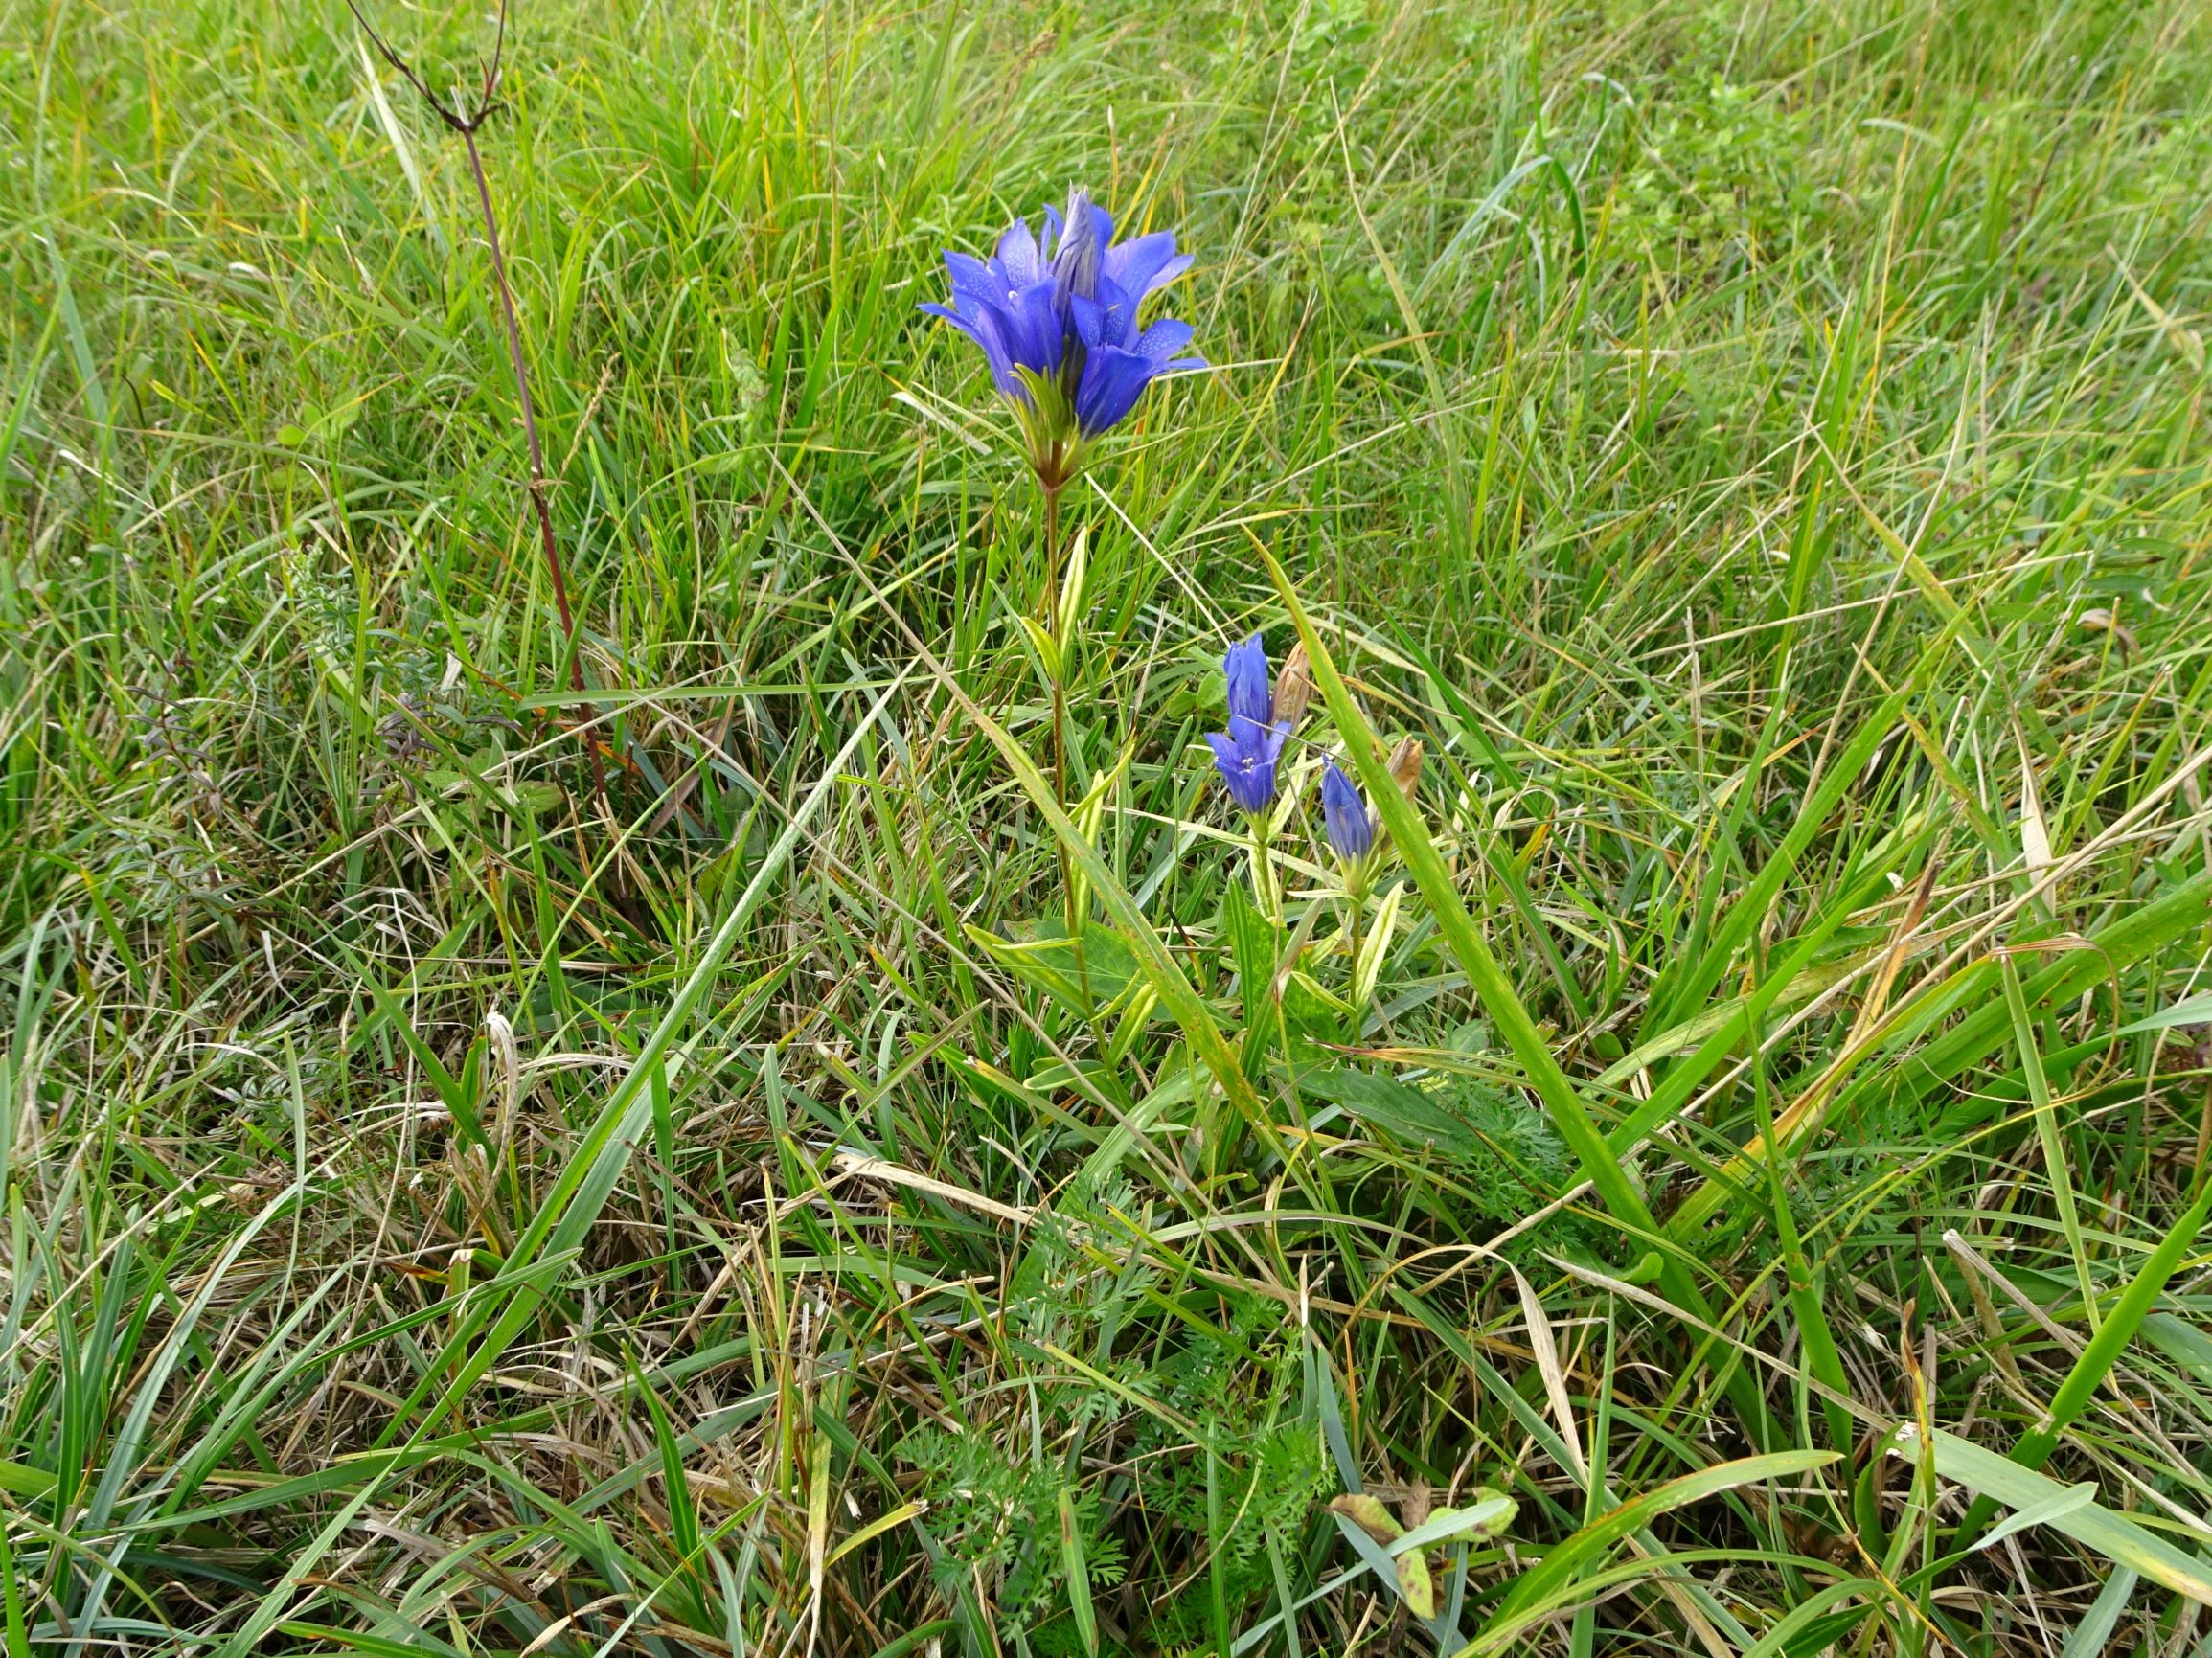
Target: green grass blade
(1549,1585)
(2110,1340)
(2002,1479)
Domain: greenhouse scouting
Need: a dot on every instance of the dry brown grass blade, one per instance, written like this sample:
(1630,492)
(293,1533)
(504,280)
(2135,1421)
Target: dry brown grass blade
(864,1168)
(1900,949)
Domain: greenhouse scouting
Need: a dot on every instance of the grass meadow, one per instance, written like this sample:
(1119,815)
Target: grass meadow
(526,1139)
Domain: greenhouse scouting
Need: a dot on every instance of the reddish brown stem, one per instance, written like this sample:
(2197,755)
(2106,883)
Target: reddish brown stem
(465,122)
(539,484)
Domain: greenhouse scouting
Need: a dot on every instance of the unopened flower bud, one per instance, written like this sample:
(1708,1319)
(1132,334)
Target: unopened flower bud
(1075,263)
(1293,688)
(1345,818)
(1406,767)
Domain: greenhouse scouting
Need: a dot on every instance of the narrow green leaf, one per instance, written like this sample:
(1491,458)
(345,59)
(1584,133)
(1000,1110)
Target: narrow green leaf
(2091,1635)
(2054,1149)
(1078,1568)
(25,1482)
(1169,981)
(1370,1514)
(1810,1611)
(2194,1009)
(2127,938)
(683,1513)
(1409,834)
(1478,1522)
(11,1599)
(572,1205)
(2096,1359)
(2045,1514)
(1752,906)
(2113,1535)
(1404,1113)
(2183,1341)
(1536,1587)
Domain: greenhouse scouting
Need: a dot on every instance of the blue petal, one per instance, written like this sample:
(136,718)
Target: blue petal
(955,319)
(1089,318)
(1034,303)
(1017,252)
(1033,334)
(1106,320)
(1168,273)
(1253,734)
(1146,263)
(1270,741)
(1165,338)
(1120,306)
(972,279)
(1251,693)
(1112,382)
(990,334)
(1248,772)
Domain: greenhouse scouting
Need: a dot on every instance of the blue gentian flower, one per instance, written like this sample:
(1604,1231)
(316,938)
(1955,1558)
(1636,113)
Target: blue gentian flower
(1059,329)
(1344,816)
(1246,753)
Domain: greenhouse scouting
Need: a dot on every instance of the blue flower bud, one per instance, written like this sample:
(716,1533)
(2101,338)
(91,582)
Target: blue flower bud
(1344,816)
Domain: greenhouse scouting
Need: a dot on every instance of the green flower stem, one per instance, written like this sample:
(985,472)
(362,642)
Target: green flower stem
(1056,669)
(1354,914)
(1265,891)
(1059,646)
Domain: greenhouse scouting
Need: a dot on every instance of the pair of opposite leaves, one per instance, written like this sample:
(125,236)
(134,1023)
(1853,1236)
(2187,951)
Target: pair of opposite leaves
(1482,1519)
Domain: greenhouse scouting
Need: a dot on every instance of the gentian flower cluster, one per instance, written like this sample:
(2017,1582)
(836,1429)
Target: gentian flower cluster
(1246,753)
(1057,320)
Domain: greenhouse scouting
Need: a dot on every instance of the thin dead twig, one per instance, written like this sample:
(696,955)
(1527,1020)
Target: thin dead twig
(465,122)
